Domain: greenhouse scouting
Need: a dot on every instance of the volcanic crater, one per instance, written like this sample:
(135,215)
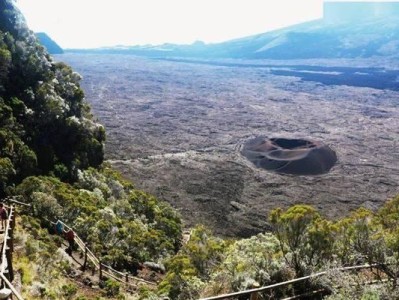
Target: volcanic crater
(290,156)
(177,130)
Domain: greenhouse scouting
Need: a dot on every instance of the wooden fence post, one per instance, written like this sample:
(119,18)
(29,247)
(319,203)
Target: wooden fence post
(9,260)
(10,240)
(12,220)
(9,267)
(254,295)
(85,260)
(101,270)
(9,244)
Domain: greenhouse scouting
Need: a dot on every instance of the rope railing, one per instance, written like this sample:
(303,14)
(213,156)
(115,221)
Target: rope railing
(125,278)
(253,293)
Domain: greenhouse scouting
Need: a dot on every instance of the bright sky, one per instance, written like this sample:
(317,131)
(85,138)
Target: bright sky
(96,23)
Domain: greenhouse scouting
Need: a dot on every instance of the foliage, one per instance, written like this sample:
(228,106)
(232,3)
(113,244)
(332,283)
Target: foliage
(304,237)
(192,266)
(69,290)
(25,269)
(363,237)
(112,288)
(51,154)
(122,225)
(45,126)
(255,261)
(178,280)
(45,274)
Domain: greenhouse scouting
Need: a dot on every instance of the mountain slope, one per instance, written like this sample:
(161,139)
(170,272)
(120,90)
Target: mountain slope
(321,39)
(316,39)
(51,46)
(348,30)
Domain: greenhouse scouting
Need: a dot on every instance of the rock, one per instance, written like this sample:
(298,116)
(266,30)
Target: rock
(87,281)
(155,267)
(37,289)
(237,206)
(5,293)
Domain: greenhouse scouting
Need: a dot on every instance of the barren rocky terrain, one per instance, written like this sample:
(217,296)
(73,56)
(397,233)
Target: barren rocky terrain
(176,129)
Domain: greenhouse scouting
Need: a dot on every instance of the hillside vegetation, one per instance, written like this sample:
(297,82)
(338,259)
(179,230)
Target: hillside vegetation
(46,127)
(51,156)
(302,243)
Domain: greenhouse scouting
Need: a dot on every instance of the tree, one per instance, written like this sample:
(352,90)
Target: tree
(291,228)
(248,261)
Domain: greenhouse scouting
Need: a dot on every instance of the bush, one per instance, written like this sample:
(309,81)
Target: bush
(69,290)
(112,288)
(26,271)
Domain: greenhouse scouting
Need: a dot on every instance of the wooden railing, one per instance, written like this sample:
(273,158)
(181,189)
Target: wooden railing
(255,293)
(13,200)
(6,268)
(7,272)
(103,269)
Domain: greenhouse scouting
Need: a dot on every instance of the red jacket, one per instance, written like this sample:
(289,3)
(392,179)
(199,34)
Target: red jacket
(70,235)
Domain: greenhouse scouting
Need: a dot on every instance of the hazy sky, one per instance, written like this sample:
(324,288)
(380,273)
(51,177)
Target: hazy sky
(94,23)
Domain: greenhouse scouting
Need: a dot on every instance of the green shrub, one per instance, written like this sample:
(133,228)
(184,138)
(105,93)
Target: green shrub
(26,271)
(31,249)
(112,288)
(69,290)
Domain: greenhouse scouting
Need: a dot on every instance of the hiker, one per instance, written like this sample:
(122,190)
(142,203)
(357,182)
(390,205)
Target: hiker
(59,227)
(3,215)
(70,237)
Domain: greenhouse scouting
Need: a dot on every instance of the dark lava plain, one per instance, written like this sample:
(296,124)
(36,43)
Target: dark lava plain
(177,130)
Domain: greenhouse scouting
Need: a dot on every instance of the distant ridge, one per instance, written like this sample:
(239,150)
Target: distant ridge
(347,30)
(51,46)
